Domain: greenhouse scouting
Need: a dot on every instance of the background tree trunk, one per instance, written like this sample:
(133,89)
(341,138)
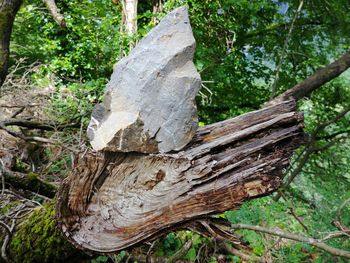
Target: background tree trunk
(130,15)
(157,8)
(8,11)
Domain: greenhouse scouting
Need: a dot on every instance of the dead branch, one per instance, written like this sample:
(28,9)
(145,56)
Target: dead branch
(20,106)
(29,138)
(17,112)
(310,149)
(245,257)
(181,253)
(334,234)
(309,240)
(8,235)
(39,125)
(29,182)
(21,197)
(2,168)
(339,223)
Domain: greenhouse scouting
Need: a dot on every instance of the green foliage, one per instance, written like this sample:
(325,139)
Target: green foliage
(38,239)
(100,259)
(169,245)
(58,166)
(77,60)
(90,39)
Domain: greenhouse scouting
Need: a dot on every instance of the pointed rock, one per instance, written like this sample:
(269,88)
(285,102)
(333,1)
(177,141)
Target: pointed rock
(149,104)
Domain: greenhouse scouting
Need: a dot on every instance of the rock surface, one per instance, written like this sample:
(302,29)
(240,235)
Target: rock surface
(149,104)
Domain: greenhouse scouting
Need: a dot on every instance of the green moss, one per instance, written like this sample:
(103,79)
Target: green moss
(39,240)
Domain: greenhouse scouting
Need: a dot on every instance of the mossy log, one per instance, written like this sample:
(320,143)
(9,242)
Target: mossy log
(30,181)
(37,239)
(112,201)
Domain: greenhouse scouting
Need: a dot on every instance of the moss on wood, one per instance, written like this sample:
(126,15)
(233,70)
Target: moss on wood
(30,181)
(37,239)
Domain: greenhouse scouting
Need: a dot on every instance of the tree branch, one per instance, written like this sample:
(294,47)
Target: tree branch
(285,46)
(38,125)
(8,235)
(331,136)
(245,257)
(309,240)
(339,222)
(315,81)
(310,149)
(30,182)
(181,253)
(53,9)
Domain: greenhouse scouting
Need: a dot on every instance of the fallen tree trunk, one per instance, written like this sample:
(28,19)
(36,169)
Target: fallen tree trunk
(114,200)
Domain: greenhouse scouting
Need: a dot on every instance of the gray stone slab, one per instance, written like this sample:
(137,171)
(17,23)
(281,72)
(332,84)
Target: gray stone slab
(149,104)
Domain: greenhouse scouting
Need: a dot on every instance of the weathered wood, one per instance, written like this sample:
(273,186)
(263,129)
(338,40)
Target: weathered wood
(114,200)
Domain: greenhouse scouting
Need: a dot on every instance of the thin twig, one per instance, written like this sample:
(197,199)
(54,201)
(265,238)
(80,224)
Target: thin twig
(285,46)
(334,235)
(309,240)
(181,253)
(2,174)
(339,222)
(271,247)
(6,239)
(39,125)
(149,251)
(17,112)
(234,251)
(311,148)
(22,197)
